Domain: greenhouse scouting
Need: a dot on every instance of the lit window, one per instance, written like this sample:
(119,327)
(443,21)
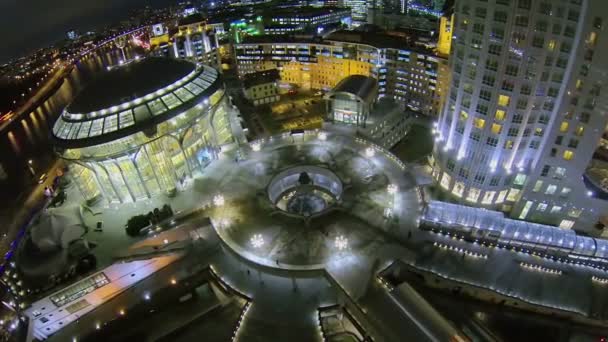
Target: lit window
(565,191)
(488,197)
(575,213)
(541,207)
(551,45)
(501,197)
(479,123)
(525,210)
(579,84)
(537,186)
(568,155)
(458,189)
(500,115)
(563,127)
(463,115)
(556,209)
(580,130)
(551,189)
(513,195)
(473,195)
(503,100)
(592,38)
(566,224)
(496,128)
(520,179)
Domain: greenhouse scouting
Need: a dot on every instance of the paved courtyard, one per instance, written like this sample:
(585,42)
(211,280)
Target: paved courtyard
(320,237)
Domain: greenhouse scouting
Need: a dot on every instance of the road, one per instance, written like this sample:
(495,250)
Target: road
(15,216)
(38,97)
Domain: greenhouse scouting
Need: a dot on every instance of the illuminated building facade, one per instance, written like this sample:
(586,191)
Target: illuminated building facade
(352,99)
(406,73)
(196,41)
(358,10)
(262,87)
(311,16)
(142,129)
(524,113)
(307,64)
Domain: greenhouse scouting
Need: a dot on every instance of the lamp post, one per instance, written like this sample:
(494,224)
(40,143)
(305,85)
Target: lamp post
(30,166)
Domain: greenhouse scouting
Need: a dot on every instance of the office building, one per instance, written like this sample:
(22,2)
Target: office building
(525,110)
(262,87)
(406,71)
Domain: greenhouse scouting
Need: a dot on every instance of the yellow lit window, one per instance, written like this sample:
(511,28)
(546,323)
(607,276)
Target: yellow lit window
(496,128)
(568,154)
(503,100)
(563,127)
(500,115)
(580,130)
(513,195)
(509,144)
(579,84)
(463,115)
(551,45)
(488,197)
(592,38)
(479,123)
(458,189)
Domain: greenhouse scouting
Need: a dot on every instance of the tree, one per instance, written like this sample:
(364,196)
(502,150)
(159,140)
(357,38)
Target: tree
(136,224)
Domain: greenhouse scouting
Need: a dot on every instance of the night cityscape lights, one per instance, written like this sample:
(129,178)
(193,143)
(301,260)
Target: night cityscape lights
(255,170)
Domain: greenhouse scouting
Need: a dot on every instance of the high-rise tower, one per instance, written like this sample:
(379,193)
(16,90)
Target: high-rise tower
(526,109)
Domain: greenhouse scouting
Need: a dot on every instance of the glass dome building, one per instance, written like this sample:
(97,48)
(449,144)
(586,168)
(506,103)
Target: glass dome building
(143,128)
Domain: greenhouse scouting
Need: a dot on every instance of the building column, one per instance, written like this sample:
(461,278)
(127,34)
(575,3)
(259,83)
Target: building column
(141,179)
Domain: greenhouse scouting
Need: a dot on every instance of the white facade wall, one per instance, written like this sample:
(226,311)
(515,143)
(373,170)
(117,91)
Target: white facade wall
(524,74)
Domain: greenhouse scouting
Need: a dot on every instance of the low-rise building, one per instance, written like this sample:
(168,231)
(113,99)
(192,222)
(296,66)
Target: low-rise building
(407,72)
(310,16)
(352,100)
(387,124)
(262,87)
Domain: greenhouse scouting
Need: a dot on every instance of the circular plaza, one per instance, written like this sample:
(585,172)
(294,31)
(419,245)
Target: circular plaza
(299,201)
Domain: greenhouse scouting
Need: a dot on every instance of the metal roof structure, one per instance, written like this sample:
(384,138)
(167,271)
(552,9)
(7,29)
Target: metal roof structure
(516,233)
(179,87)
(362,87)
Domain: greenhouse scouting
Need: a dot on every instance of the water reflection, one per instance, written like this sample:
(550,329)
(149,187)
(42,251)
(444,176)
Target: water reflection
(28,137)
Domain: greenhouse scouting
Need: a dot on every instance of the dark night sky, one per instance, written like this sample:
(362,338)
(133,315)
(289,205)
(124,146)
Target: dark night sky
(26,25)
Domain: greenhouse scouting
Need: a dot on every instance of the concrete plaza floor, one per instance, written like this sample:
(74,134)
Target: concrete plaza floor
(293,268)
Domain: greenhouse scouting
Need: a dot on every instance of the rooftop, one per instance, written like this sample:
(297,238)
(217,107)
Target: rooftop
(377,39)
(192,19)
(361,86)
(129,82)
(261,77)
(267,39)
(308,11)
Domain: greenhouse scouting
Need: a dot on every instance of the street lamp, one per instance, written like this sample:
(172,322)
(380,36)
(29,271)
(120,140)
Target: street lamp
(370,152)
(392,189)
(322,136)
(30,166)
(218,200)
(341,242)
(257,240)
(256,147)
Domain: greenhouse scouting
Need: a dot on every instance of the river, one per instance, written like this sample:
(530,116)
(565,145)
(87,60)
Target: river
(29,137)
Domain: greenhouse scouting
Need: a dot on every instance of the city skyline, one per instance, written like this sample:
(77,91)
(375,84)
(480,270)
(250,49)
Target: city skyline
(48,24)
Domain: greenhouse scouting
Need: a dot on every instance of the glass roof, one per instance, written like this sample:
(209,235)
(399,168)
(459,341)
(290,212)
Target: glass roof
(515,232)
(72,126)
